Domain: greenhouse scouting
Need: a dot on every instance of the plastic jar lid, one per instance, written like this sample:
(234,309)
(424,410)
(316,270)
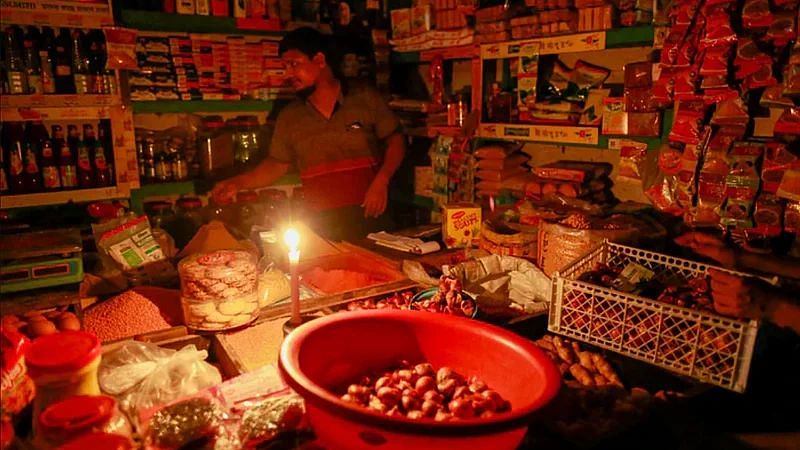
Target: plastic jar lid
(213,122)
(99,441)
(78,413)
(62,352)
(189,203)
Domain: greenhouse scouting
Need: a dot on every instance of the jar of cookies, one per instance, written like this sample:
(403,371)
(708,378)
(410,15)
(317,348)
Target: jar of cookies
(219,289)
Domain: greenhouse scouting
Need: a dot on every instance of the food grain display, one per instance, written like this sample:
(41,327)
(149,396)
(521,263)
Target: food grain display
(219,290)
(125,315)
(420,392)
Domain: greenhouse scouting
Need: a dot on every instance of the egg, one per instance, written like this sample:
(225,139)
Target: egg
(68,321)
(36,318)
(9,319)
(41,328)
(52,314)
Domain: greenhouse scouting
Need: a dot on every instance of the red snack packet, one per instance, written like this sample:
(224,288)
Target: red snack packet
(686,127)
(791,217)
(723,139)
(761,78)
(749,58)
(777,160)
(743,179)
(783,29)
(791,80)
(788,125)
(662,194)
(640,100)
(718,30)
(773,96)
(756,14)
(631,160)
(731,112)
(720,94)
(638,75)
(716,59)
(768,214)
(685,83)
(644,123)
(683,14)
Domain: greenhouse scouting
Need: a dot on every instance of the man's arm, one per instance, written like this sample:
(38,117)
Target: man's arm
(376,198)
(786,267)
(780,309)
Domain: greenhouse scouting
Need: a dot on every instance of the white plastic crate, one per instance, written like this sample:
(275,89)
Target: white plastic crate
(699,344)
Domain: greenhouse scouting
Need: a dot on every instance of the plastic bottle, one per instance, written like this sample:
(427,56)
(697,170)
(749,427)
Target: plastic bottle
(51,180)
(67,170)
(163,166)
(13,142)
(35,135)
(103,156)
(83,154)
(102,170)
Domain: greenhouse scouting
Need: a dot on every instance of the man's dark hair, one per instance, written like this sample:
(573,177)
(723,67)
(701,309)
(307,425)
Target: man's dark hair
(309,41)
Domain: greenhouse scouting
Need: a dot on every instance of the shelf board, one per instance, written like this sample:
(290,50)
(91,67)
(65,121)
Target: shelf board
(61,197)
(447,53)
(546,134)
(62,113)
(179,106)
(432,132)
(58,101)
(639,36)
(187,23)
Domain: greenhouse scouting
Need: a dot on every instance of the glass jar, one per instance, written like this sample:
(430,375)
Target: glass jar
(105,441)
(161,216)
(188,219)
(63,365)
(214,146)
(219,290)
(246,142)
(250,212)
(76,416)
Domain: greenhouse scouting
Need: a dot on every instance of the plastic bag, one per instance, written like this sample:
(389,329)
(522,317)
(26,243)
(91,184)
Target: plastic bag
(143,375)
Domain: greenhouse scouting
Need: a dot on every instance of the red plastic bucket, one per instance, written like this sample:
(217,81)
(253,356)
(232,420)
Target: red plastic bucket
(328,353)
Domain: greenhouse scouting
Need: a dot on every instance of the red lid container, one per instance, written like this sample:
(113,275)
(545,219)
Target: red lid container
(62,352)
(99,441)
(77,414)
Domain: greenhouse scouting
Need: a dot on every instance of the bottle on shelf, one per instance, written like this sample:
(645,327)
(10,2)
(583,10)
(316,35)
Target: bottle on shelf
(46,58)
(62,61)
(163,167)
(14,63)
(177,160)
(35,134)
(13,141)
(3,176)
(104,137)
(48,157)
(33,65)
(85,172)
(149,157)
(102,170)
(109,77)
(80,64)
(68,172)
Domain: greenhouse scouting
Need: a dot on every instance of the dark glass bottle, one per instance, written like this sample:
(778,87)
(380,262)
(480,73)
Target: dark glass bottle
(96,62)
(48,158)
(102,166)
(63,63)
(66,158)
(3,176)
(14,63)
(35,135)
(85,172)
(80,64)
(33,65)
(46,58)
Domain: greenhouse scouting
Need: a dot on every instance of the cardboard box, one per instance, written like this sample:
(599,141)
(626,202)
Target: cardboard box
(461,225)
(421,18)
(401,23)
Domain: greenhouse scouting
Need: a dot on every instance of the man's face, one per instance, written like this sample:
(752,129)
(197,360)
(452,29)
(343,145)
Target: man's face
(303,71)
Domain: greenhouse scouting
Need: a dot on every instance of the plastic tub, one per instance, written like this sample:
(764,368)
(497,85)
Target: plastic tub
(62,365)
(328,353)
(76,416)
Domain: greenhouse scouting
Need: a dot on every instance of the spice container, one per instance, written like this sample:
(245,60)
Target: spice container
(188,219)
(246,139)
(105,441)
(76,416)
(63,365)
(219,290)
(161,218)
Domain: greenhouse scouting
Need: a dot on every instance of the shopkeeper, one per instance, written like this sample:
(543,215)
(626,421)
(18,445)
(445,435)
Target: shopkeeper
(754,299)
(344,142)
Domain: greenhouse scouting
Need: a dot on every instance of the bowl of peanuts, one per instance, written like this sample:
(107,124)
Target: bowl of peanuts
(395,379)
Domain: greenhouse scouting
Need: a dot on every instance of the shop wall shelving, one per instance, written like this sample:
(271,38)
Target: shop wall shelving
(62,197)
(205,106)
(188,23)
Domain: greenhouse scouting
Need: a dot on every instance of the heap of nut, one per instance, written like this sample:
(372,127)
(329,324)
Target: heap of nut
(421,392)
(587,368)
(398,300)
(219,289)
(448,299)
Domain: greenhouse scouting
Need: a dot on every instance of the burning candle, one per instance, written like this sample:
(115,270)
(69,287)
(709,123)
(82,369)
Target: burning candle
(292,240)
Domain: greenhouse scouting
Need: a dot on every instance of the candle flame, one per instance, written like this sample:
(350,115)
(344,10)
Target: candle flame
(292,239)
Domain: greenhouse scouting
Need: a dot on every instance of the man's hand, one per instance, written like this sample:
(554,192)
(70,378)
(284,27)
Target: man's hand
(225,190)
(733,295)
(375,200)
(708,246)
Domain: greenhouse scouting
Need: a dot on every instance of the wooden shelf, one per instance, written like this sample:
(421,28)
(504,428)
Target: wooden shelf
(57,13)
(187,23)
(432,132)
(547,134)
(50,113)
(58,101)
(178,106)
(448,53)
(61,197)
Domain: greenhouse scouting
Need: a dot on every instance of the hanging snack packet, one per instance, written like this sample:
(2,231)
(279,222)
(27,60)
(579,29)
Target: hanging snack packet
(718,29)
(791,217)
(686,127)
(716,60)
(749,58)
(762,77)
(783,29)
(685,83)
(790,185)
(555,85)
(788,124)
(731,112)
(773,96)
(632,156)
(777,160)
(768,214)
(741,184)
(584,77)
(638,75)
(756,14)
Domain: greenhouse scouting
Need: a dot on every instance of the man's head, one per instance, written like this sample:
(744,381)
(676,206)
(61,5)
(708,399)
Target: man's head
(309,57)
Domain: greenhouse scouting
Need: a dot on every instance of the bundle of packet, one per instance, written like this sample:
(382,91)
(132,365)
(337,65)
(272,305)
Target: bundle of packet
(742,183)
(687,126)
(777,160)
(663,193)
(585,76)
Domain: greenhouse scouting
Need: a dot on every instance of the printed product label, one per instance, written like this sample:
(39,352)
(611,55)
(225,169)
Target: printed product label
(16,83)
(15,164)
(81,84)
(63,71)
(51,177)
(83,159)
(68,176)
(30,162)
(100,159)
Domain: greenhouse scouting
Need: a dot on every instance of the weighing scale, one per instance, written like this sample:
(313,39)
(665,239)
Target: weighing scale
(40,259)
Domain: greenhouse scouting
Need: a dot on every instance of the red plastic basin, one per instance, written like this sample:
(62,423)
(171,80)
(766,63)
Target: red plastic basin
(331,352)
